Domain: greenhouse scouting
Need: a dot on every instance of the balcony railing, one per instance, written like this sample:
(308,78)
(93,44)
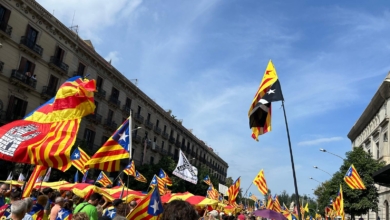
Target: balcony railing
(136,138)
(126,109)
(110,124)
(31,45)
(148,124)
(163,152)
(172,140)
(48,91)
(178,144)
(165,135)
(157,130)
(139,118)
(114,101)
(156,147)
(1,66)
(23,78)
(95,118)
(6,28)
(101,93)
(58,63)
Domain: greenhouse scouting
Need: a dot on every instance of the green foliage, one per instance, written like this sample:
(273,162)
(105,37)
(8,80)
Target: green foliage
(356,202)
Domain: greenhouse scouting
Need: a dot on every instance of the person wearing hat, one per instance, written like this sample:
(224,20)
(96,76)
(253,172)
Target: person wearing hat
(111,211)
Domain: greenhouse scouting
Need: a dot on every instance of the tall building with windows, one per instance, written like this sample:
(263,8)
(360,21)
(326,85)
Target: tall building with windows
(38,53)
(371,132)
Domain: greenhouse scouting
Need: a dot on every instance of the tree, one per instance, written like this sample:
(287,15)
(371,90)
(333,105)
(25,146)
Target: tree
(356,202)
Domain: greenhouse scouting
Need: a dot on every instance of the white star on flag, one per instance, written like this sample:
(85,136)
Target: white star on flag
(60,214)
(76,155)
(271,91)
(123,136)
(155,206)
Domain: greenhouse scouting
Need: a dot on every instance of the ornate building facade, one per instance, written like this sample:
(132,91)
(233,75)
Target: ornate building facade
(38,53)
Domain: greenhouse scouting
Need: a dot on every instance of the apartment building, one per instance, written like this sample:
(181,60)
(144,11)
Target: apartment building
(371,132)
(38,53)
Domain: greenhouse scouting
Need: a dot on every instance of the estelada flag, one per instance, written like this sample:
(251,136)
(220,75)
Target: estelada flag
(130,169)
(260,110)
(164,176)
(45,136)
(140,177)
(79,159)
(353,180)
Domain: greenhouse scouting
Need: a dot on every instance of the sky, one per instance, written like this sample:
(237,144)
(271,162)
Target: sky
(205,59)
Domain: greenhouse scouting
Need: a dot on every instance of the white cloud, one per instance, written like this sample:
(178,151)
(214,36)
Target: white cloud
(319,141)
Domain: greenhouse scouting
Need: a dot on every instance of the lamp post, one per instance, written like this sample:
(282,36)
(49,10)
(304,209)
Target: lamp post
(315,167)
(315,180)
(323,150)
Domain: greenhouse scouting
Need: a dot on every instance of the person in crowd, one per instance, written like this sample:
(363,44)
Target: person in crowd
(34,77)
(80,216)
(66,211)
(132,205)
(213,215)
(68,195)
(112,210)
(122,210)
(29,205)
(3,191)
(179,209)
(49,193)
(104,218)
(241,216)
(89,207)
(38,209)
(18,210)
(59,203)
(76,200)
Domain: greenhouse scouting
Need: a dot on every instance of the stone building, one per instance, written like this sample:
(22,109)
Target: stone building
(38,53)
(371,132)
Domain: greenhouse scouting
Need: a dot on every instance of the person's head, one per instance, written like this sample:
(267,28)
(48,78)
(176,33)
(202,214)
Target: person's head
(104,218)
(42,200)
(80,216)
(68,205)
(18,210)
(213,214)
(29,204)
(133,204)
(116,202)
(59,201)
(15,196)
(68,195)
(48,192)
(122,210)
(76,199)
(3,189)
(179,209)
(94,199)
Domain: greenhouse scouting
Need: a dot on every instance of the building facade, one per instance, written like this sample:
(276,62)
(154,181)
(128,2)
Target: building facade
(38,53)
(371,132)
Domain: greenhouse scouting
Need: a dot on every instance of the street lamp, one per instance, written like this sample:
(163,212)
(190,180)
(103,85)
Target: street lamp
(322,170)
(315,180)
(323,150)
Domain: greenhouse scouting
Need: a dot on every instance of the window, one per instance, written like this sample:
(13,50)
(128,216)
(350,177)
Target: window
(81,70)
(139,110)
(89,137)
(176,155)
(157,123)
(162,144)
(16,108)
(114,93)
(132,152)
(369,152)
(97,107)
(148,118)
(4,17)
(104,139)
(146,134)
(128,103)
(171,133)
(26,67)
(377,150)
(385,137)
(151,160)
(110,115)
(31,36)
(52,85)
(165,128)
(59,54)
(155,139)
(99,82)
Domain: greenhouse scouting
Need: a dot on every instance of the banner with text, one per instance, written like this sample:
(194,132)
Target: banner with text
(185,170)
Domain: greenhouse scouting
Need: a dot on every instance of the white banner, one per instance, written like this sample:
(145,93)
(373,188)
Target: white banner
(222,189)
(185,170)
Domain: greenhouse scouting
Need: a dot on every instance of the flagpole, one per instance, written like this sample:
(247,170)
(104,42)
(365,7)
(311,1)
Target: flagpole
(130,156)
(27,177)
(117,176)
(292,163)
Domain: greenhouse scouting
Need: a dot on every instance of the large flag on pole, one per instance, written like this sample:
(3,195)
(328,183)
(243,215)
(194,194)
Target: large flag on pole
(117,147)
(261,183)
(38,173)
(46,135)
(185,170)
(353,179)
(79,159)
(338,204)
(260,110)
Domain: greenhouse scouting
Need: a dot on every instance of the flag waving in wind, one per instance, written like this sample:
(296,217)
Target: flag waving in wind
(233,191)
(260,110)
(130,169)
(353,179)
(103,179)
(140,177)
(36,175)
(150,207)
(164,176)
(207,180)
(260,182)
(79,159)
(117,147)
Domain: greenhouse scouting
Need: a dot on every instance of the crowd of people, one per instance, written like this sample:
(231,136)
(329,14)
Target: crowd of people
(49,204)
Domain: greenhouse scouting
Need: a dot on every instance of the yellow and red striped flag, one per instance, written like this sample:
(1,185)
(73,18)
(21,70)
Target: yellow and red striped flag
(79,158)
(212,193)
(164,176)
(150,207)
(261,183)
(38,172)
(130,169)
(233,191)
(46,135)
(140,177)
(276,204)
(260,110)
(353,179)
(117,147)
(270,202)
(103,179)
(338,204)
(156,181)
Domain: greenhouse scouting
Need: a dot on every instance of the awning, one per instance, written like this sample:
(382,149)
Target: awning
(382,176)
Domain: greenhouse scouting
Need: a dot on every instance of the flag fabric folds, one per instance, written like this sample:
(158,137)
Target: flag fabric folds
(233,191)
(79,159)
(212,193)
(338,204)
(117,147)
(161,185)
(207,180)
(130,169)
(164,176)
(260,110)
(276,204)
(103,179)
(150,207)
(261,183)
(38,172)
(21,177)
(46,135)
(64,214)
(140,177)
(10,176)
(37,212)
(353,179)
(270,202)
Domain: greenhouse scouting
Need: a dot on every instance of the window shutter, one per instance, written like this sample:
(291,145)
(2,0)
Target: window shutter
(10,108)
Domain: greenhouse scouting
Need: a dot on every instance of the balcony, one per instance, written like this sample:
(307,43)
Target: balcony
(148,124)
(48,92)
(20,79)
(1,66)
(138,118)
(126,109)
(155,147)
(101,93)
(172,140)
(178,144)
(109,124)
(157,130)
(5,30)
(59,66)
(183,148)
(30,47)
(165,135)
(136,138)
(114,102)
(148,144)
(163,152)
(95,118)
